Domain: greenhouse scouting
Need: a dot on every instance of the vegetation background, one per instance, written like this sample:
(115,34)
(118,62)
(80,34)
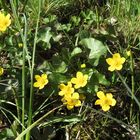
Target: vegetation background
(55,37)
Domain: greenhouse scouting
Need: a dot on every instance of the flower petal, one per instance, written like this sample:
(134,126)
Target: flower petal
(44,76)
(69,107)
(74,80)
(61,86)
(41,86)
(76,86)
(8,16)
(36,84)
(122,60)
(61,93)
(110,61)
(78,103)
(111,68)
(109,95)
(100,95)
(85,77)
(69,84)
(98,102)
(79,74)
(113,102)
(105,107)
(116,56)
(75,96)
(119,67)
(37,77)
(1,71)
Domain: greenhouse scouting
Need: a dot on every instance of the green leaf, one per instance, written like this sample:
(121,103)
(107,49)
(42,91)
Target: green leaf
(57,78)
(6,133)
(75,20)
(76,51)
(58,64)
(64,119)
(102,79)
(96,47)
(96,78)
(45,35)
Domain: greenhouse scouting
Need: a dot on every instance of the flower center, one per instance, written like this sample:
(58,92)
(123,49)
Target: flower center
(107,102)
(42,81)
(80,81)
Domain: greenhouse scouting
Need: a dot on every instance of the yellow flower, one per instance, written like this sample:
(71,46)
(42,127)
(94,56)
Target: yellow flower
(20,45)
(5,21)
(1,71)
(41,81)
(80,80)
(83,65)
(105,101)
(128,53)
(66,89)
(72,101)
(115,62)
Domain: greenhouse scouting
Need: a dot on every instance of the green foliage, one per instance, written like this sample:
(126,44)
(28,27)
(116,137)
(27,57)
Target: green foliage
(6,134)
(97,49)
(55,37)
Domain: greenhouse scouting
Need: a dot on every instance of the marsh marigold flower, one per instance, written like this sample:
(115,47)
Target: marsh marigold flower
(105,101)
(128,53)
(5,21)
(1,71)
(80,80)
(20,45)
(72,101)
(66,89)
(83,65)
(115,62)
(41,81)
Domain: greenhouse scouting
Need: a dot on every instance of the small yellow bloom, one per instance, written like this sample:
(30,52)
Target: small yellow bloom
(20,45)
(83,65)
(66,89)
(105,101)
(72,101)
(80,80)
(128,53)
(115,62)
(41,81)
(1,71)
(5,21)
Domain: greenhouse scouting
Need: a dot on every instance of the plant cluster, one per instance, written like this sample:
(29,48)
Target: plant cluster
(68,73)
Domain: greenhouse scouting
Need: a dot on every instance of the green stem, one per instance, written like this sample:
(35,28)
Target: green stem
(25,53)
(20,31)
(17,103)
(132,83)
(32,72)
(23,73)
(132,74)
(36,123)
(97,18)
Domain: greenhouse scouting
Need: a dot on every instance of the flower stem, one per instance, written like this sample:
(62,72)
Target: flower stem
(32,72)
(132,83)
